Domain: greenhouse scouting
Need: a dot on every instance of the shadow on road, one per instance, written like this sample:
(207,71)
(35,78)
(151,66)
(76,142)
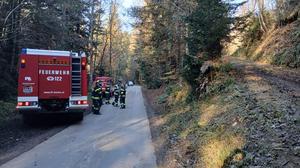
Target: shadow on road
(17,137)
(47,121)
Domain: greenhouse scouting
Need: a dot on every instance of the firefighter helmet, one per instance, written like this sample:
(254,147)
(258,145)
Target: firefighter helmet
(98,83)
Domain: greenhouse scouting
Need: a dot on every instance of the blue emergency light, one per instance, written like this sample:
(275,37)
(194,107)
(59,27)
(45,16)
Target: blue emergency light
(24,50)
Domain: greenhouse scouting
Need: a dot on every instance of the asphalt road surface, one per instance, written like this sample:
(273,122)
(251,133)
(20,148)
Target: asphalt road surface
(116,139)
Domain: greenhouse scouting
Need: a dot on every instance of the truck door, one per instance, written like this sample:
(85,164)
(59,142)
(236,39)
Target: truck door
(54,77)
(28,76)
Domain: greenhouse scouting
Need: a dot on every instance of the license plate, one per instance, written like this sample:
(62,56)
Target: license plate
(27,89)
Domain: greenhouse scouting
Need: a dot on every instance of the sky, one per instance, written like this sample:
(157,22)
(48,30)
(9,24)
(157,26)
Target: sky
(125,5)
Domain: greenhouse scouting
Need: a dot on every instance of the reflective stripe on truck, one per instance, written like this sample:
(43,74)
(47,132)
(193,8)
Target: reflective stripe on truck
(28,103)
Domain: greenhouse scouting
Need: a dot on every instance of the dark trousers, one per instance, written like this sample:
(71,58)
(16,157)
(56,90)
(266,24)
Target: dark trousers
(122,100)
(107,95)
(100,102)
(96,106)
(116,99)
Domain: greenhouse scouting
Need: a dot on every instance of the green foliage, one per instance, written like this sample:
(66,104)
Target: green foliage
(157,39)
(220,87)
(252,33)
(169,90)
(41,24)
(296,34)
(162,98)
(191,70)
(208,25)
(7,82)
(56,25)
(149,73)
(288,57)
(172,88)
(6,110)
(225,68)
(179,37)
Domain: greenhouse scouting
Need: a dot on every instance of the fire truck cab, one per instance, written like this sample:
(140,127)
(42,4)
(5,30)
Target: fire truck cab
(52,82)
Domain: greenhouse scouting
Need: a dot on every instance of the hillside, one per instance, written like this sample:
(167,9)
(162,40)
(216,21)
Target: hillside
(248,117)
(280,46)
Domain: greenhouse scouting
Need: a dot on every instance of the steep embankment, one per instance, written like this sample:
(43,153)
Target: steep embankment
(249,116)
(280,46)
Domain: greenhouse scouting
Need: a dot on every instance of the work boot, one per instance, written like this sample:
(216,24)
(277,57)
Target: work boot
(97,112)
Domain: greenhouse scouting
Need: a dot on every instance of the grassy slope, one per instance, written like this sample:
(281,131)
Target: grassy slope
(231,125)
(210,130)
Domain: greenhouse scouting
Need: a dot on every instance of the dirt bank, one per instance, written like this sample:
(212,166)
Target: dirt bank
(251,119)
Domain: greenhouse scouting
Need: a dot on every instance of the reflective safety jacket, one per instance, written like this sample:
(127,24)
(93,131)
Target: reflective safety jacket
(116,92)
(97,93)
(107,89)
(123,93)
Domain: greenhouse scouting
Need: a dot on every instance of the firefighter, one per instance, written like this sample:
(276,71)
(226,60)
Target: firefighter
(119,83)
(122,96)
(116,94)
(97,98)
(100,84)
(107,94)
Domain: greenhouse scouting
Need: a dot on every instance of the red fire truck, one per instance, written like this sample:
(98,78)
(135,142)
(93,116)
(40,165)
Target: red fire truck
(52,82)
(104,80)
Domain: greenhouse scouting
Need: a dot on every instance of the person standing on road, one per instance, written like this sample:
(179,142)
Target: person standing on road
(97,98)
(107,94)
(116,94)
(122,96)
(119,83)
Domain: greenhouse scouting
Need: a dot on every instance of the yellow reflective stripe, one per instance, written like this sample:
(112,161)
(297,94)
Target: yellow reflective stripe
(98,89)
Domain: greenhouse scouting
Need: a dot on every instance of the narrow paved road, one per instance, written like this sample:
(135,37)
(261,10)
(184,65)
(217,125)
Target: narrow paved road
(116,139)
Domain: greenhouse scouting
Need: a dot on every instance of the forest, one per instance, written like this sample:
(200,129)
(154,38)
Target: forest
(171,36)
(92,26)
(221,75)
(217,75)
(176,37)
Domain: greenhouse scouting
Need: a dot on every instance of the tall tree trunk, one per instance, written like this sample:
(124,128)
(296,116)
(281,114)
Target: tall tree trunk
(261,7)
(64,25)
(103,51)
(110,36)
(14,40)
(97,36)
(92,41)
